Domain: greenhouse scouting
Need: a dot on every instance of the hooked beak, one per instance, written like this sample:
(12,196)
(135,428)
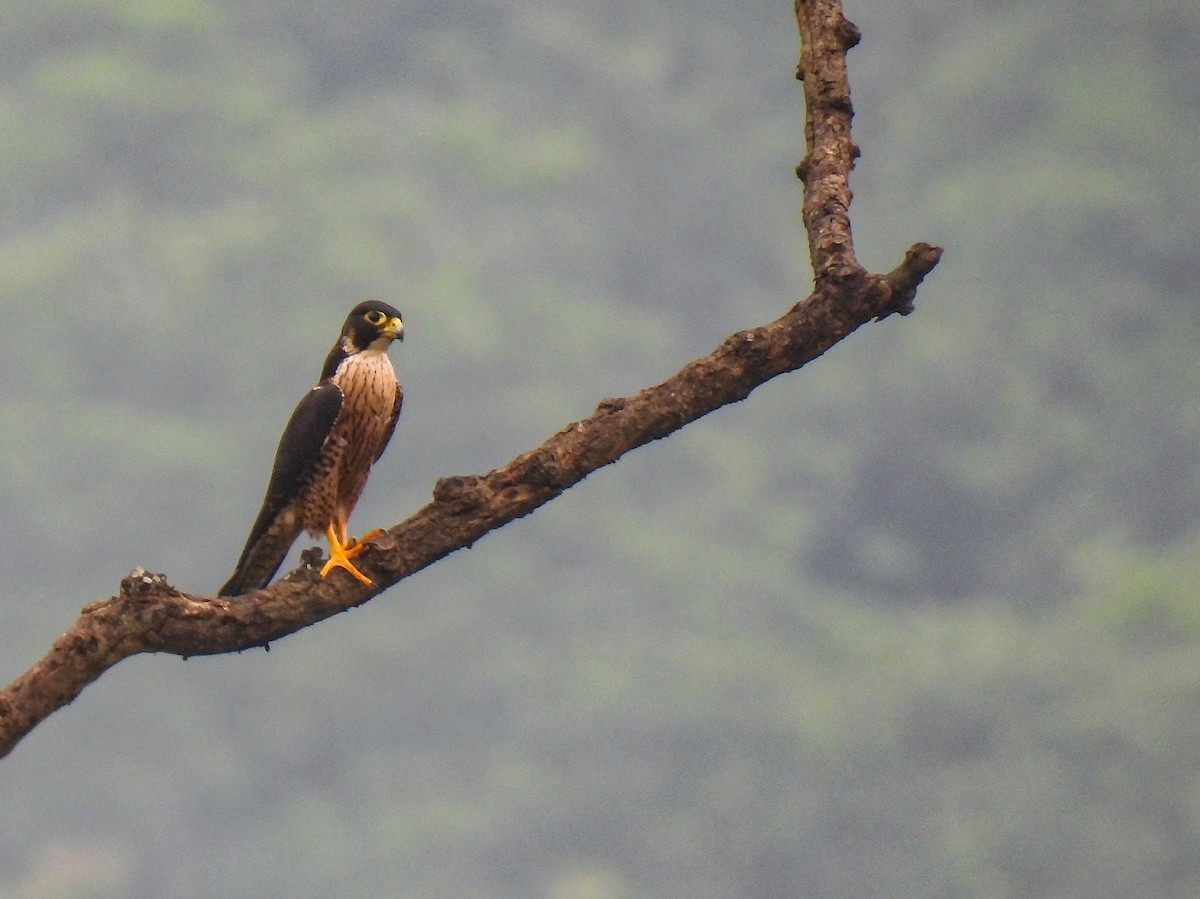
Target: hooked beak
(395,329)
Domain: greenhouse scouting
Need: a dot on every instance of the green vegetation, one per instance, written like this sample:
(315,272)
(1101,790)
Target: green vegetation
(920,621)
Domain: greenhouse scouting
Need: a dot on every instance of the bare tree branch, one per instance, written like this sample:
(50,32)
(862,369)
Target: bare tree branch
(148,615)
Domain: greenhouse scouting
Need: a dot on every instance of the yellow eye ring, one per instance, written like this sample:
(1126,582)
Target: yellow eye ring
(375,317)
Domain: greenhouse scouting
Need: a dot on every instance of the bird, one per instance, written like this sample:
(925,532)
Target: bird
(337,432)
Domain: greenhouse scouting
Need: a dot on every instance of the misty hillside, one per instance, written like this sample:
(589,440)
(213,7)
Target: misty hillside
(919,620)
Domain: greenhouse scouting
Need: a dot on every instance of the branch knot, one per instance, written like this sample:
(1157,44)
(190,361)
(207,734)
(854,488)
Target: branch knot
(143,583)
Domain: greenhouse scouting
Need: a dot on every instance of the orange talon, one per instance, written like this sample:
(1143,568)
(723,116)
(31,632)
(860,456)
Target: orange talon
(341,554)
(354,547)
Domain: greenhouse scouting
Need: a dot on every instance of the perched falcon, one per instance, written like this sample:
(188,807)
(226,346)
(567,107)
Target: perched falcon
(336,433)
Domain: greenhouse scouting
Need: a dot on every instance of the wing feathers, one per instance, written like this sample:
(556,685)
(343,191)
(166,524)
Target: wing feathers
(274,532)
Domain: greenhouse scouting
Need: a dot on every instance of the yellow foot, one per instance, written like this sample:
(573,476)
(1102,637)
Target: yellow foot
(340,556)
(354,547)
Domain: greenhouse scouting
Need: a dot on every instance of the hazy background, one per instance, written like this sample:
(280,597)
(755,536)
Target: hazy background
(919,621)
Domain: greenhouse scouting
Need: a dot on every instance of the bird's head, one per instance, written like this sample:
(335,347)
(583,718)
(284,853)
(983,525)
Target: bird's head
(372,325)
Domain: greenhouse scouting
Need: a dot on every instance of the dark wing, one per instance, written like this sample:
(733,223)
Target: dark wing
(391,428)
(299,447)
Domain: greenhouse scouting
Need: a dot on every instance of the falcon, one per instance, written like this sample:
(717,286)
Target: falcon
(336,434)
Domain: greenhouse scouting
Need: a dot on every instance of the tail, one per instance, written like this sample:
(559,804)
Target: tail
(260,560)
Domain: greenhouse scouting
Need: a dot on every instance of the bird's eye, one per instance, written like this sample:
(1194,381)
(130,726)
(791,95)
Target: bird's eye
(375,317)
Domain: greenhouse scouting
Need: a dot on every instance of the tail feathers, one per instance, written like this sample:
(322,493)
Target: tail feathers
(259,562)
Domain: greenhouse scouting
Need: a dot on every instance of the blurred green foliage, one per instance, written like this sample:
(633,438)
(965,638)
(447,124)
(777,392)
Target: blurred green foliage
(919,621)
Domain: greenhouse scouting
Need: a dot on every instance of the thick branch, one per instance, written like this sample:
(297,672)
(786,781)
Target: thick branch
(148,615)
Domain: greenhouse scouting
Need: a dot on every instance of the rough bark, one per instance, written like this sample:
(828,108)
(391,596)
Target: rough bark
(148,615)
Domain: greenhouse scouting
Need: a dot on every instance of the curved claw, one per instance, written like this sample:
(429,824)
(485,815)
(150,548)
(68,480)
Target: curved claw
(354,547)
